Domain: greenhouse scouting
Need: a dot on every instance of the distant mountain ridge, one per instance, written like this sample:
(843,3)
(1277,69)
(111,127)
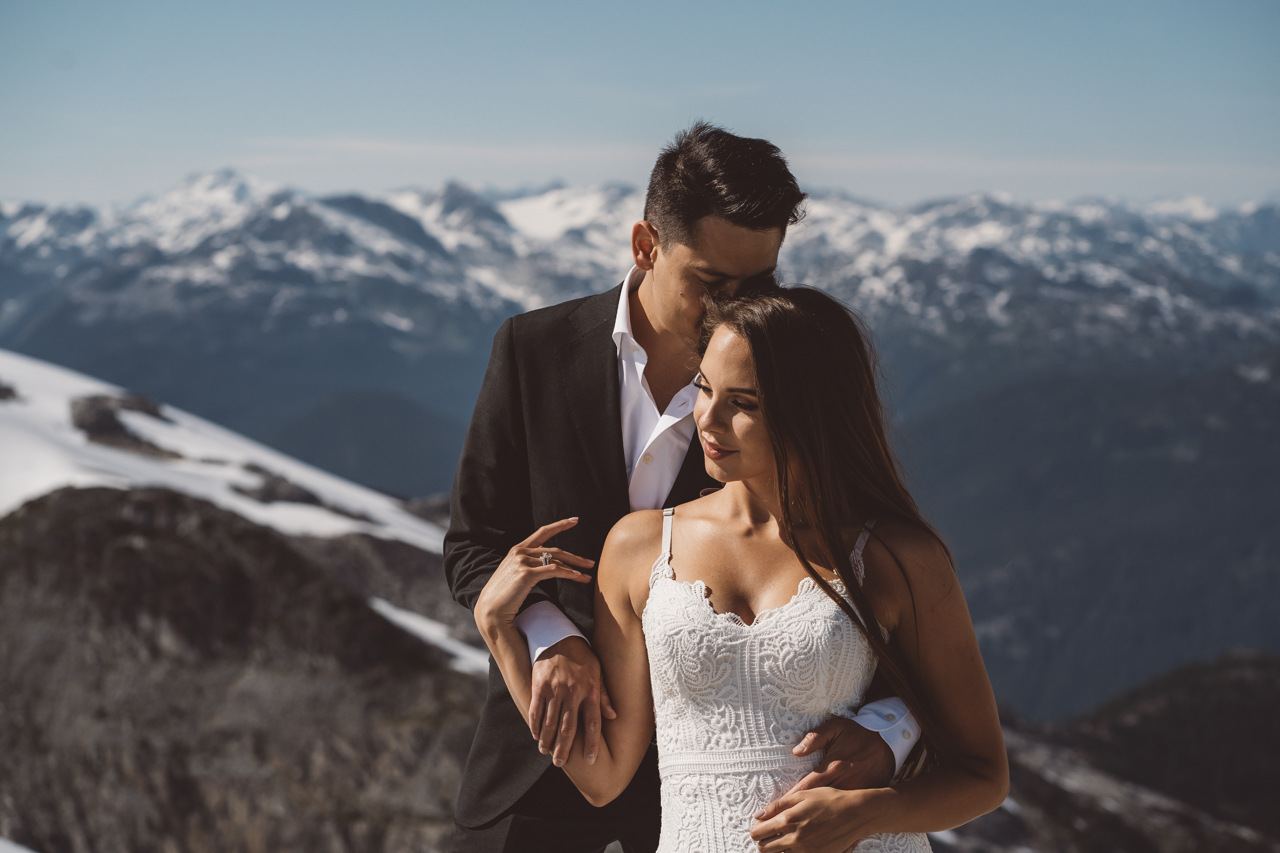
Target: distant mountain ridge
(1071,381)
(409,285)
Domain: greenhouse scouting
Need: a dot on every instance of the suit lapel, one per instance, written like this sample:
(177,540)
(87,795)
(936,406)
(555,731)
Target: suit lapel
(589,370)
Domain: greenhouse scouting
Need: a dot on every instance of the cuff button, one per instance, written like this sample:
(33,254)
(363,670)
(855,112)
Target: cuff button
(891,717)
(906,735)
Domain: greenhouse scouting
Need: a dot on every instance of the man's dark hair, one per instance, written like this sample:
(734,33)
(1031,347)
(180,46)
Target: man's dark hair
(707,171)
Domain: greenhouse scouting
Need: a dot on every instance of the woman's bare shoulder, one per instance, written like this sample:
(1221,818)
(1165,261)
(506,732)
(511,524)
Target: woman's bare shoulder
(900,553)
(634,541)
(637,529)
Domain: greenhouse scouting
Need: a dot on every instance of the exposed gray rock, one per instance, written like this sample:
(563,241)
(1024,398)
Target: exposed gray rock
(1206,733)
(98,416)
(433,508)
(176,678)
(277,488)
(1060,802)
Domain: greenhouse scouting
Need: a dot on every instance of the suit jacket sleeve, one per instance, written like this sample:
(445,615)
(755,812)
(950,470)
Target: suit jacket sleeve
(491,507)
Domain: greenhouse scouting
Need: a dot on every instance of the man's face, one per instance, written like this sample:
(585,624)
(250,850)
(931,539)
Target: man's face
(721,258)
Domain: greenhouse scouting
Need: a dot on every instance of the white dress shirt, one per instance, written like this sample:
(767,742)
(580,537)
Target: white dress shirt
(654,445)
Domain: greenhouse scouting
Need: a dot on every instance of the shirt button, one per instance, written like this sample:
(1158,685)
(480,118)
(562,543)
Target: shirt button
(906,735)
(891,717)
(647,458)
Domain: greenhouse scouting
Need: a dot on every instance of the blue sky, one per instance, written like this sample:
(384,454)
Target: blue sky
(897,101)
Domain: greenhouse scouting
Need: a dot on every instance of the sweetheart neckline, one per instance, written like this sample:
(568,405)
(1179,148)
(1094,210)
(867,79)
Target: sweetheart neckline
(806,585)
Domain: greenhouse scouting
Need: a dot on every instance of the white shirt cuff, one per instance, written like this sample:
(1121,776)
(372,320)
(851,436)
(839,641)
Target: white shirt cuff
(895,723)
(543,625)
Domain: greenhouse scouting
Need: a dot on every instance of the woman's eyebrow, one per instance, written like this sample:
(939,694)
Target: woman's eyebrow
(750,391)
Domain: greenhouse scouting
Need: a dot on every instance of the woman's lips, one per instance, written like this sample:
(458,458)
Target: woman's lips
(715,451)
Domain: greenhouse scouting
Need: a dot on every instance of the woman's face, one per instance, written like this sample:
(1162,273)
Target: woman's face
(730,424)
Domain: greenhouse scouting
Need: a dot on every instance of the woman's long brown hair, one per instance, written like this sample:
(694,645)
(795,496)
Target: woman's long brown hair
(816,378)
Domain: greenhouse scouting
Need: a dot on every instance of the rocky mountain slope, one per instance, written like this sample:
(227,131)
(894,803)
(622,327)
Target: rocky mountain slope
(1187,761)
(1059,801)
(175,677)
(1207,733)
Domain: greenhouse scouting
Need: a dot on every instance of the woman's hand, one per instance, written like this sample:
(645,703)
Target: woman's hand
(518,572)
(818,820)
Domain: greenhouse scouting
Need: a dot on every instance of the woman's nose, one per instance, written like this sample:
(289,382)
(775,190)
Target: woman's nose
(706,419)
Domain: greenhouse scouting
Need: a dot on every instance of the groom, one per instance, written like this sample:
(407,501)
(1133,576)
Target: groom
(587,410)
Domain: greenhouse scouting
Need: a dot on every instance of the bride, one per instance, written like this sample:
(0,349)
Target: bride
(734,624)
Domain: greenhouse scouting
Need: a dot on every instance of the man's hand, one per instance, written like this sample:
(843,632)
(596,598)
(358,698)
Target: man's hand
(855,757)
(566,680)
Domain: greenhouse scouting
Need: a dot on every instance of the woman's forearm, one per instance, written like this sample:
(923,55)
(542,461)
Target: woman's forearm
(601,781)
(941,798)
(511,653)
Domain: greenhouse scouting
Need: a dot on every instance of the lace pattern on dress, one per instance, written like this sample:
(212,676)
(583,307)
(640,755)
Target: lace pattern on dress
(731,699)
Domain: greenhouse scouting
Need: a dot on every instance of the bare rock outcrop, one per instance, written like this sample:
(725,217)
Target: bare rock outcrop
(98,417)
(173,677)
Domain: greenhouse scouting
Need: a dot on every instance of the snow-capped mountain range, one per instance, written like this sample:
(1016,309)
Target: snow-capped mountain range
(1134,265)
(260,306)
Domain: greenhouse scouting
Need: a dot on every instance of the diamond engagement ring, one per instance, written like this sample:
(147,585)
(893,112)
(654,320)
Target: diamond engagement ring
(546,558)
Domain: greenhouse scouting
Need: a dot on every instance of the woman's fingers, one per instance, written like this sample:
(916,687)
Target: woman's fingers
(546,531)
(773,818)
(530,571)
(768,829)
(561,555)
(537,573)
(777,844)
(775,808)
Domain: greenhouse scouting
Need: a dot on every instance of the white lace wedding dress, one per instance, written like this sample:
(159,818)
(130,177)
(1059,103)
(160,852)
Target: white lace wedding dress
(732,699)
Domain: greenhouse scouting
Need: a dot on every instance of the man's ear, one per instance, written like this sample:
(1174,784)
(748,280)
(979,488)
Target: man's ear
(644,245)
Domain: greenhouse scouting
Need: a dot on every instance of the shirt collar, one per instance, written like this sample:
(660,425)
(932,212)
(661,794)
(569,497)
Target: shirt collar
(622,324)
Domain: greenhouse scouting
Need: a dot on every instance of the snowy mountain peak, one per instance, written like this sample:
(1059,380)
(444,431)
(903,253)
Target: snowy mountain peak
(202,205)
(549,216)
(1193,207)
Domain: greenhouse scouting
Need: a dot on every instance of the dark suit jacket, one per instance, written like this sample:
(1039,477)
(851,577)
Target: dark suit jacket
(545,443)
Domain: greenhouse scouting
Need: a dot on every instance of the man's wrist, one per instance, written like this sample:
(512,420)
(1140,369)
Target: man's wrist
(895,724)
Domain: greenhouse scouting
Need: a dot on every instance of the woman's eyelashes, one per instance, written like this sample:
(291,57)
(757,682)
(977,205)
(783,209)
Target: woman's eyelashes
(700,384)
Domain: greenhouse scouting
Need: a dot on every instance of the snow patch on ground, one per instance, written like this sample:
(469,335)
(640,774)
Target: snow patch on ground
(466,658)
(40,451)
(7,846)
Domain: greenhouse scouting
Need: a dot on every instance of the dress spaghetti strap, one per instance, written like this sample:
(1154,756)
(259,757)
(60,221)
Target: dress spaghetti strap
(856,557)
(667,515)
(662,565)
